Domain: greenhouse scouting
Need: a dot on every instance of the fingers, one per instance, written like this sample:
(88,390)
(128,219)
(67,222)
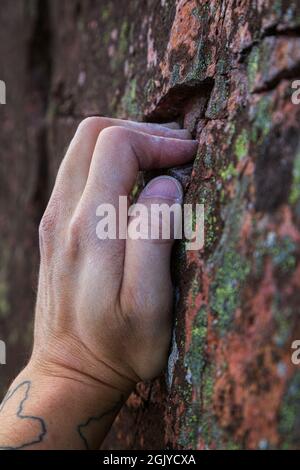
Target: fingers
(118,155)
(75,167)
(146,284)
(171,130)
(172,125)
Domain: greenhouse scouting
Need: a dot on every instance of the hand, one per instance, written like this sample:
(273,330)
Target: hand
(104,306)
(103,313)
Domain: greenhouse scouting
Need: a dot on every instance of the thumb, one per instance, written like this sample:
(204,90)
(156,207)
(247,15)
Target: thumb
(147,259)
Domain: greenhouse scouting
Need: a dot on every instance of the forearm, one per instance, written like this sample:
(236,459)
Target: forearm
(47,412)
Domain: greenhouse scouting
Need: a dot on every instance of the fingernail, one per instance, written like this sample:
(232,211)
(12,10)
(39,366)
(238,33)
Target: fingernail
(171,125)
(164,187)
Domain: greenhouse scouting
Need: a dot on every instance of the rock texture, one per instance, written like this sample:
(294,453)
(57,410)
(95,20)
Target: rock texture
(224,69)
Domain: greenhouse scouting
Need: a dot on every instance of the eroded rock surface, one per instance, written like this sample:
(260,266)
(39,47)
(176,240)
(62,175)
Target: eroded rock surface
(224,69)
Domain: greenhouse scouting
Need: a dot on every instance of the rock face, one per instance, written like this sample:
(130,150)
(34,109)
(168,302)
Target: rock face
(225,70)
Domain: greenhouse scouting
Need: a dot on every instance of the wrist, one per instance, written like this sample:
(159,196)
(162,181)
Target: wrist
(74,361)
(82,410)
(101,380)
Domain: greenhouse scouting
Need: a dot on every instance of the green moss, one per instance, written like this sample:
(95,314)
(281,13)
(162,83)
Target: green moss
(284,255)
(229,172)
(200,423)
(206,9)
(129,100)
(106,11)
(175,75)
(208,428)
(195,356)
(230,266)
(123,38)
(277,7)
(230,130)
(207,388)
(289,425)
(208,196)
(195,364)
(196,12)
(282,315)
(223,66)
(231,445)
(227,285)
(282,251)
(199,66)
(118,58)
(253,65)
(189,431)
(294,197)
(194,290)
(208,158)
(219,98)
(149,88)
(241,146)
(262,120)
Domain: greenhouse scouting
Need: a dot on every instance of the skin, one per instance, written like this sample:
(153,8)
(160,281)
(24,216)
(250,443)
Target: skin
(103,315)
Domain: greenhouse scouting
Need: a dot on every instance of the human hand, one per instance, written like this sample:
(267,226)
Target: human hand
(103,314)
(104,306)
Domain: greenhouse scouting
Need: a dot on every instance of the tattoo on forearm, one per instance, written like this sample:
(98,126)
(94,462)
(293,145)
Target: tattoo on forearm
(24,387)
(84,427)
(17,398)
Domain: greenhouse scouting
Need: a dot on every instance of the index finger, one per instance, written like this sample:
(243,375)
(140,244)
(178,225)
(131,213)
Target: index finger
(119,154)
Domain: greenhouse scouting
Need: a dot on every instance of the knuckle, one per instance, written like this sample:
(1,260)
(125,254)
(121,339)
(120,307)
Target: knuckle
(47,223)
(90,124)
(46,230)
(75,234)
(74,229)
(116,134)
